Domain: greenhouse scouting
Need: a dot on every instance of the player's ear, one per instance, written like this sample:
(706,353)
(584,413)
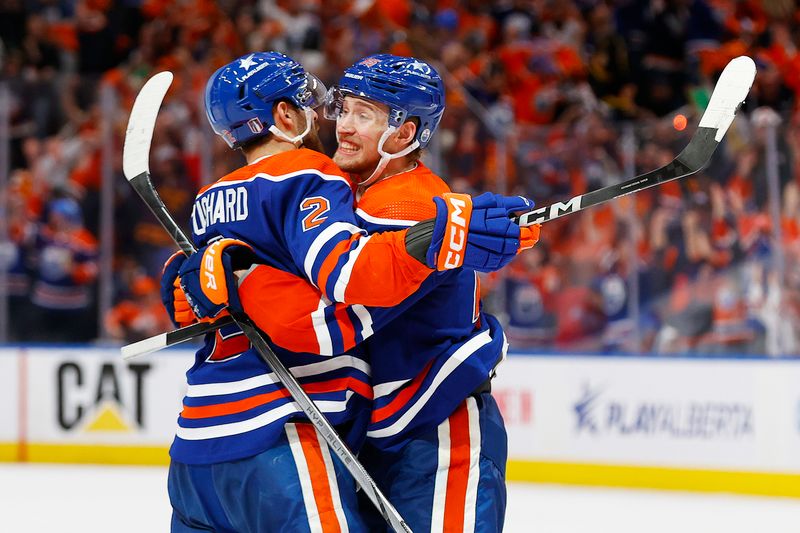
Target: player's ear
(284,116)
(406,132)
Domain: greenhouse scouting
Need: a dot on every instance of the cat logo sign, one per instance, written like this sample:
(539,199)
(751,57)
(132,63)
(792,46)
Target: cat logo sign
(108,400)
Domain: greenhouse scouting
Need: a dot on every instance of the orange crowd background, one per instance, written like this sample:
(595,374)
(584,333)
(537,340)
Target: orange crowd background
(546,98)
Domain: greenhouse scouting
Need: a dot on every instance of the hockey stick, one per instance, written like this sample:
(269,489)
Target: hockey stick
(135,166)
(171,338)
(729,93)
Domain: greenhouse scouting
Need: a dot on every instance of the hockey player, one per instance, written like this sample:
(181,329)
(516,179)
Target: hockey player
(243,458)
(436,441)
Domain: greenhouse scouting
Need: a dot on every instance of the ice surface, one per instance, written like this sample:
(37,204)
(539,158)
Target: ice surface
(38,498)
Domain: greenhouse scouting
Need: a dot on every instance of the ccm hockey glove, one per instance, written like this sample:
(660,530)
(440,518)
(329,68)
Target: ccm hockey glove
(208,279)
(178,308)
(477,233)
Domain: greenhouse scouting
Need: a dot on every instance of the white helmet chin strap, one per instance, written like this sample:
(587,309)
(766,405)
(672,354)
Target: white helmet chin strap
(385,157)
(297,140)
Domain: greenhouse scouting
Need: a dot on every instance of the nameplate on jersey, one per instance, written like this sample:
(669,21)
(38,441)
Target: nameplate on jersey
(219,206)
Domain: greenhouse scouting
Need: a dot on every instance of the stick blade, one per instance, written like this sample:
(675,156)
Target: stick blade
(730,92)
(138,136)
(143,347)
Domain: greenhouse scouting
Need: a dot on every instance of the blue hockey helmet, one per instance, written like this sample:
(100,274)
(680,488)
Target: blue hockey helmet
(239,96)
(408,86)
(68,209)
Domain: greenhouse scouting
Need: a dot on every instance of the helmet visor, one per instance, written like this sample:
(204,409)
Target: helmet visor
(335,107)
(312,93)
(333,103)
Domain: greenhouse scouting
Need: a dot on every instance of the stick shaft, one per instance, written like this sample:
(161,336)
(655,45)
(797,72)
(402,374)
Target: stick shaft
(171,338)
(688,162)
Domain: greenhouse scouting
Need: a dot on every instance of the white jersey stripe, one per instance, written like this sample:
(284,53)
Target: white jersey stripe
(504,351)
(344,275)
(235,428)
(384,389)
(340,361)
(230,387)
(384,221)
(333,484)
(471,497)
(314,523)
(458,357)
(321,329)
(326,235)
(476,298)
(440,482)
(365,318)
(264,419)
(312,369)
(331,406)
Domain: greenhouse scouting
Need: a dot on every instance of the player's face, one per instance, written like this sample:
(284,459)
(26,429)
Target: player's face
(359,127)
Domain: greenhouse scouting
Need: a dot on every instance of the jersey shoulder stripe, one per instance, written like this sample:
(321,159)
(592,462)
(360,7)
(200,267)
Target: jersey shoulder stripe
(310,264)
(400,223)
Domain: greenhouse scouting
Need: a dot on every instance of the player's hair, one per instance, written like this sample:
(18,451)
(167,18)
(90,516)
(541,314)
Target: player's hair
(255,142)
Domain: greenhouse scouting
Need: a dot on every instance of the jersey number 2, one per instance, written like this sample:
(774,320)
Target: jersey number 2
(318,205)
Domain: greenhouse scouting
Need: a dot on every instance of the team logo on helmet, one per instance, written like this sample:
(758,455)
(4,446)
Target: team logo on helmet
(247,62)
(255,125)
(370,62)
(420,69)
(425,135)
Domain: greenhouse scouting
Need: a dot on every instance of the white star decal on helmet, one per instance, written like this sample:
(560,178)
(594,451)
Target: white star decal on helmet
(417,67)
(247,62)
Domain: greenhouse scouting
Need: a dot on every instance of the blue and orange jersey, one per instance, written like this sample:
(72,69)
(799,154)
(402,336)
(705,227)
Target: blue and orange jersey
(296,211)
(65,268)
(441,347)
(426,354)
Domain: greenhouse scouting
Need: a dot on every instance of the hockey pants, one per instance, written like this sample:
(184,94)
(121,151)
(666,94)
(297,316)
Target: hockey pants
(295,486)
(449,480)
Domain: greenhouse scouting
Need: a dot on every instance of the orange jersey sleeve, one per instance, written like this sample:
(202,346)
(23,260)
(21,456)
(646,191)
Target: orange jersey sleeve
(293,312)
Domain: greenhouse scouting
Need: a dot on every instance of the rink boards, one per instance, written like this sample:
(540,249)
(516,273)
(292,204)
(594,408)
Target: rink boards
(698,424)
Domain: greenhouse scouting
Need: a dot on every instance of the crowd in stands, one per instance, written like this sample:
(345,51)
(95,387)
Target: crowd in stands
(546,98)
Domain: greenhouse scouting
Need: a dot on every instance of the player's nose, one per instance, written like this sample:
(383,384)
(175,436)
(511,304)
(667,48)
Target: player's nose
(344,124)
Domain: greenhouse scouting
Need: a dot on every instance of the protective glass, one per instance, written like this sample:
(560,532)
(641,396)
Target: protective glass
(333,103)
(337,109)
(312,94)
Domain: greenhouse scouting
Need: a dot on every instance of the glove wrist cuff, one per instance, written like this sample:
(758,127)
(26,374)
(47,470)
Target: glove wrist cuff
(418,240)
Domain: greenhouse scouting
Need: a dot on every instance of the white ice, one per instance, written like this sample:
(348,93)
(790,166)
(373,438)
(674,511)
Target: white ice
(38,498)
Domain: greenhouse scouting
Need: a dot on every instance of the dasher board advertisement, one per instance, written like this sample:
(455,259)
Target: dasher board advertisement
(685,413)
(92,396)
